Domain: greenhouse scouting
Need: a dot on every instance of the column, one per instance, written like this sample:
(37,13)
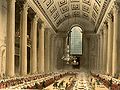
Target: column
(88,53)
(98,53)
(52,47)
(110,44)
(54,54)
(115,39)
(33,52)
(101,55)
(23,40)
(10,39)
(41,49)
(105,47)
(47,50)
(0,37)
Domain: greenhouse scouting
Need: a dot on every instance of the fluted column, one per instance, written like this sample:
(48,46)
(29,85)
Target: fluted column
(47,50)
(115,38)
(33,53)
(105,47)
(97,51)
(98,58)
(110,44)
(10,39)
(52,46)
(23,40)
(41,60)
(101,53)
(88,53)
(54,54)
(98,55)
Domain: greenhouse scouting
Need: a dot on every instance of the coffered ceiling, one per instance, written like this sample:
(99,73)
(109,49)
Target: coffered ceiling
(62,14)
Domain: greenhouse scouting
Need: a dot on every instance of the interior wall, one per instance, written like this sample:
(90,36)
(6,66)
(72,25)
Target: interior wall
(3,26)
(90,50)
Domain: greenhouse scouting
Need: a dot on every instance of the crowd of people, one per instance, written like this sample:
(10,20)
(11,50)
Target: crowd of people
(37,81)
(66,85)
(110,82)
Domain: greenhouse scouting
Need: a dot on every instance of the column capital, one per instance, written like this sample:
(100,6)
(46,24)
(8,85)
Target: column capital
(101,33)
(41,24)
(35,19)
(25,7)
(116,7)
(105,27)
(10,1)
(109,16)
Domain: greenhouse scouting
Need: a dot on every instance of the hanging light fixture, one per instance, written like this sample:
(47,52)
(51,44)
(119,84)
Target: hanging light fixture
(67,57)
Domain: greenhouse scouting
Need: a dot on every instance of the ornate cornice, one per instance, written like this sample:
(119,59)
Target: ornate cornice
(46,16)
(102,13)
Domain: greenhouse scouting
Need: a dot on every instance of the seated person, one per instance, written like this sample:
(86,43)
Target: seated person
(43,84)
(61,84)
(55,84)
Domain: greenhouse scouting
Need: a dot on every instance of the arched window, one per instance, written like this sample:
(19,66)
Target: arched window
(76,40)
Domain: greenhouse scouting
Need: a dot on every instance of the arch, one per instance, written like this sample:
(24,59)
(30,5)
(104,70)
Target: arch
(83,24)
(76,40)
(77,25)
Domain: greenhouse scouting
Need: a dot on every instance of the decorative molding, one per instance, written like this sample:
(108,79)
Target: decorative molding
(94,16)
(86,11)
(110,16)
(74,1)
(96,8)
(98,2)
(53,9)
(86,2)
(56,16)
(67,16)
(59,21)
(62,3)
(45,14)
(85,8)
(92,21)
(102,13)
(116,7)
(48,3)
(75,6)
(85,15)
(76,14)
(64,9)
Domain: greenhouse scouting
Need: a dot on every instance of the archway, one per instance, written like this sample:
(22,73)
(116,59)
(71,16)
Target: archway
(76,45)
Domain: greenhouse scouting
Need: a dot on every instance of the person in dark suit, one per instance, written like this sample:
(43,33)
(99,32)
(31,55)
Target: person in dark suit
(55,85)
(43,84)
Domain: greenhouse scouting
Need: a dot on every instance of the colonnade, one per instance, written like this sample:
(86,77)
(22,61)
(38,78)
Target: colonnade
(38,62)
(109,39)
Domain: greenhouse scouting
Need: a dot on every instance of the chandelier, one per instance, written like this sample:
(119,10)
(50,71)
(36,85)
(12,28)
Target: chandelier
(69,58)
